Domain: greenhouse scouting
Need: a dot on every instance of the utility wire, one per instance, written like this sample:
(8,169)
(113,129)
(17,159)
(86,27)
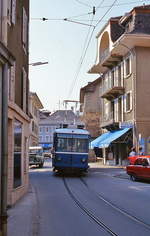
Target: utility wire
(85,4)
(100,4)
(86,45)
(123,4)
(106,12)
(82,59)
(98,7)
(45,19)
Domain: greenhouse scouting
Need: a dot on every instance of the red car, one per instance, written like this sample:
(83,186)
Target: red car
(140,169)
(133,158)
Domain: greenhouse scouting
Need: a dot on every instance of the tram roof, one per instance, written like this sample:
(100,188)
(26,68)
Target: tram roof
(71,131)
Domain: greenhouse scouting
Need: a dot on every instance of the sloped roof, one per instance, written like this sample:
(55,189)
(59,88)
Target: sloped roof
(62,116)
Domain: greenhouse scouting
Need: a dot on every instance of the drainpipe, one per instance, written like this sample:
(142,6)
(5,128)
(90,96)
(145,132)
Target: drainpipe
(4,144)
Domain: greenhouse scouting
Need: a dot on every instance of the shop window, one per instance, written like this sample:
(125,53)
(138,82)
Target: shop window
(17,152)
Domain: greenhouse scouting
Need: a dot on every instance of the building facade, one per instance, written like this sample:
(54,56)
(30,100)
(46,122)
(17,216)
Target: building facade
(34,106)
(123,59)
(6,61)
(58,119)
(91,109)
(18,99)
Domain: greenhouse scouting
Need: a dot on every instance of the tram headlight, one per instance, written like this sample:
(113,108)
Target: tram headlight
(83,160)
(58,158)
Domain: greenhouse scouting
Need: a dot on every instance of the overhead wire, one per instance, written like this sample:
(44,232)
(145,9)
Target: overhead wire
(100,4)
(86,43)
(78,71)
(80,61)
(123,4)
(83,3)
(111,6)
(98,7)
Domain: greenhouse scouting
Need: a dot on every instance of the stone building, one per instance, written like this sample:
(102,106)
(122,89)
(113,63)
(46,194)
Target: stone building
(18,99)
(123,60)
(34,106)
(6,61)
(90,101)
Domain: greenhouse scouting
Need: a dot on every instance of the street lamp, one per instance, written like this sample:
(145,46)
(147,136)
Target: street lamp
(39,63)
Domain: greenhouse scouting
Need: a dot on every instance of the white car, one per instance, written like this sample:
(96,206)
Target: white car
(36,156)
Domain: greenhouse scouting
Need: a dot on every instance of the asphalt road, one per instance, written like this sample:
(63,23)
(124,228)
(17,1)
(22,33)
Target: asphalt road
(103,202)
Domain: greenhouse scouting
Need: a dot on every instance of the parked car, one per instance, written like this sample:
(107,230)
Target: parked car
(47,154)
(140,169)
(132,159)
(36,156)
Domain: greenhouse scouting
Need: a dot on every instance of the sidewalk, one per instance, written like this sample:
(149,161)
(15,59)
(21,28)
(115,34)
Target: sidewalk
(119,173)
(21,217)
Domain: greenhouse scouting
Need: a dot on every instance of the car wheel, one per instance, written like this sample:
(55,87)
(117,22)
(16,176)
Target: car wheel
(133,177)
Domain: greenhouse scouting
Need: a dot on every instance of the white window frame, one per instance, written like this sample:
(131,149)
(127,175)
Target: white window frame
(24,29)
(40,129)
(131,99)
(11,12)
(24,89)
(47,129)
(40,138)
(119,83)
(116,110)
(46,138)
(126,75)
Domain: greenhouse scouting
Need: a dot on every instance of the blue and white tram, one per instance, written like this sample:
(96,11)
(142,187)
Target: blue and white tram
(70,150)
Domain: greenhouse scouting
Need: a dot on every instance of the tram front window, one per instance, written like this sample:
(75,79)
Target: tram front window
(80,145)
(72,145)
(64,145)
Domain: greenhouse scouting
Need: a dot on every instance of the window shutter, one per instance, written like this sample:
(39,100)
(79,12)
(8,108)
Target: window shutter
(122,108)
(131,99)
(9,11)
(122,75)
(116,109)
(13,12)
(116,82)
(24,33)
(24,89)
(124,98)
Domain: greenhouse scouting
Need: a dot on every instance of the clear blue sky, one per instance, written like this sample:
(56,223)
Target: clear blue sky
(61,43)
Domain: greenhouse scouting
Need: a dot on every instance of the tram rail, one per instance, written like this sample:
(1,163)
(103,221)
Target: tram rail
(96,219)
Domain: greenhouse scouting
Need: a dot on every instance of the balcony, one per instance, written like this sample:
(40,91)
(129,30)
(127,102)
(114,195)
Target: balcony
(112,93)
(108,122)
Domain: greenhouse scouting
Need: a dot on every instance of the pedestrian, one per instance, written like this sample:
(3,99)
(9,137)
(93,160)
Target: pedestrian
(140,151)
(133,152)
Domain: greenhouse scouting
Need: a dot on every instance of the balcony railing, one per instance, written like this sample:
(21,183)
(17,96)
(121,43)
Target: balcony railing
(111,91)
(108,121)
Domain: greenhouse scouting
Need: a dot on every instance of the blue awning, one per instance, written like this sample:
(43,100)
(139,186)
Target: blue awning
(105,139)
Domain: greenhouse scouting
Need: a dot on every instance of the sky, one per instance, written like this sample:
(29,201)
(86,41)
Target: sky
(68,47)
